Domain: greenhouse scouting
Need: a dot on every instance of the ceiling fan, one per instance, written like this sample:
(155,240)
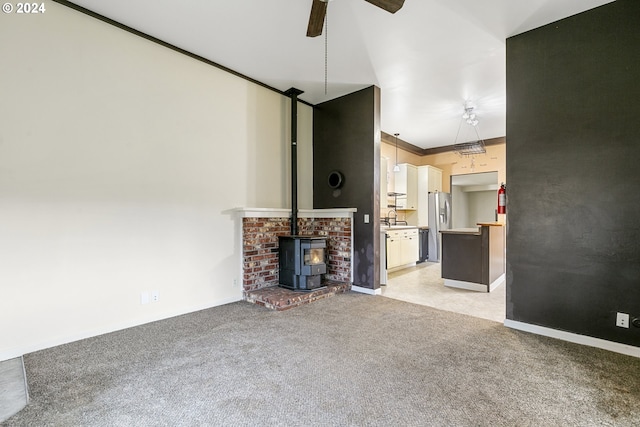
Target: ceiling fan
(319,10)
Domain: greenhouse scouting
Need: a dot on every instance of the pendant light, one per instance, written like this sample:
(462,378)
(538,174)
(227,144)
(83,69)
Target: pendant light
(396,168)
(474,147)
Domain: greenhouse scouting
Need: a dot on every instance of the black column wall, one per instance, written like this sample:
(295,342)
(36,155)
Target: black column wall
(573,171)
(346,138)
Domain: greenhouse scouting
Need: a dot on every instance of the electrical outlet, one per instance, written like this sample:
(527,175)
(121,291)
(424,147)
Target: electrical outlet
(235,283)
(144,298)
(366,218)
(155,296)
(622,320)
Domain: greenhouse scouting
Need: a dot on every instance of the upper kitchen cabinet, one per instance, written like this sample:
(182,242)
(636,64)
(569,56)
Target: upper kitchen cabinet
(429,181)
(431,178)
(406,182)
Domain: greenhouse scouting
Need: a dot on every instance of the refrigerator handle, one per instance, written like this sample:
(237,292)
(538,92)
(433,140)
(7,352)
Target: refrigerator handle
(447,211)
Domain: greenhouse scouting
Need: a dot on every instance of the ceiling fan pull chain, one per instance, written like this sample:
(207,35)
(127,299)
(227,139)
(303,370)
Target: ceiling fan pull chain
(326,42)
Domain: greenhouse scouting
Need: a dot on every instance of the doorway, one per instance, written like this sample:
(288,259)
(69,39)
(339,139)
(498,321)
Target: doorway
(473,200)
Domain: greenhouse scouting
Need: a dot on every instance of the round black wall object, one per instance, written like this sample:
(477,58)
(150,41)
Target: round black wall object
(335,179)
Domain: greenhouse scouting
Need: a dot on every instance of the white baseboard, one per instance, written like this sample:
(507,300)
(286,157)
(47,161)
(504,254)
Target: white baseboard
(461,284)
(500,280)
(11,353)
(472,286)
(366,290)
(616,347)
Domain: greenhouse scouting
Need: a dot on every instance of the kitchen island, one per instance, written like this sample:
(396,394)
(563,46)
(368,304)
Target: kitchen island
(474,258)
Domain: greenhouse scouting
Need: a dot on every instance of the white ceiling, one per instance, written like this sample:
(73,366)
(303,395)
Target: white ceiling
(428,58)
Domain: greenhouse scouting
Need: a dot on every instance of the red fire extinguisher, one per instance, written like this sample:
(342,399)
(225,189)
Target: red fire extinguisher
(502,199)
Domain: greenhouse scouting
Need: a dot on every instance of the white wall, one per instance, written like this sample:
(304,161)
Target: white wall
(118,160)
(471,207)
(459,207)
(482,206)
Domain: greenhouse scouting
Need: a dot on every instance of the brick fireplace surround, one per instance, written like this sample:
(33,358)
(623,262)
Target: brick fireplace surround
(259,236)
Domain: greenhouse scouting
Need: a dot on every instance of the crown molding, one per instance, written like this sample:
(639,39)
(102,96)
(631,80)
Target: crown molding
(391,140)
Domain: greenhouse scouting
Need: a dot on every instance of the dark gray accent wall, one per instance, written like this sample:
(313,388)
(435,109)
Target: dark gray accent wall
(346,138)
(573,172)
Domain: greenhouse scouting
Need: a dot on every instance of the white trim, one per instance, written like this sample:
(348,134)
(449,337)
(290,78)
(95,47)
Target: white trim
(19,351)
(616,347)
(327,213)
(353,242)
(497,282)
(367,291)
(286,213)
(460,284)
(472,286)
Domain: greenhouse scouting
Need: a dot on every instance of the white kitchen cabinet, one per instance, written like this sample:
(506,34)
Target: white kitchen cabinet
(402,247)
(435,179)
(429,181)
(406,182)
(409,246)
(393,250)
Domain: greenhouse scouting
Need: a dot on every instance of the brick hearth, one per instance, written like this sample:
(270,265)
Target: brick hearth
(260,258)
(277,298)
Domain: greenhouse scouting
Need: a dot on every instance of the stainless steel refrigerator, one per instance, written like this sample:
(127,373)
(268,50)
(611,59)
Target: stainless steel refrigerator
(439,219)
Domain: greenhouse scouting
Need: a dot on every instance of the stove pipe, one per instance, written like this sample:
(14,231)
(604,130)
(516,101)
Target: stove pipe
(293,94)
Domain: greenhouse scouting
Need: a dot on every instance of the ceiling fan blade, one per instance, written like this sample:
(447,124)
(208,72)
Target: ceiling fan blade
(389,5)
(316,19)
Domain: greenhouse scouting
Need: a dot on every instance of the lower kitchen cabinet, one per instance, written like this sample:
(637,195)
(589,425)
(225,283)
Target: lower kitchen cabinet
(409,247)
(402,247)
(393,251)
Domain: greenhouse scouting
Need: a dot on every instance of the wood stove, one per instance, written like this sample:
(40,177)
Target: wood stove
(302,262)
(302,258)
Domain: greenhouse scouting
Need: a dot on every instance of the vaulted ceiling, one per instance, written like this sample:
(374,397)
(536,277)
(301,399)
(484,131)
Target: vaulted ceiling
(428,58)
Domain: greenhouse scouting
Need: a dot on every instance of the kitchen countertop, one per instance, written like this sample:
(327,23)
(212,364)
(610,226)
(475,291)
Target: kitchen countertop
(397,227)
(475,231)
(472,230)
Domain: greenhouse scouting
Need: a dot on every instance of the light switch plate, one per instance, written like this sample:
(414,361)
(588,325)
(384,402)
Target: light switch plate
(366,218)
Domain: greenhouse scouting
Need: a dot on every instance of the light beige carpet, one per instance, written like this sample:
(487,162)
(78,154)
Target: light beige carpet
(349,360)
